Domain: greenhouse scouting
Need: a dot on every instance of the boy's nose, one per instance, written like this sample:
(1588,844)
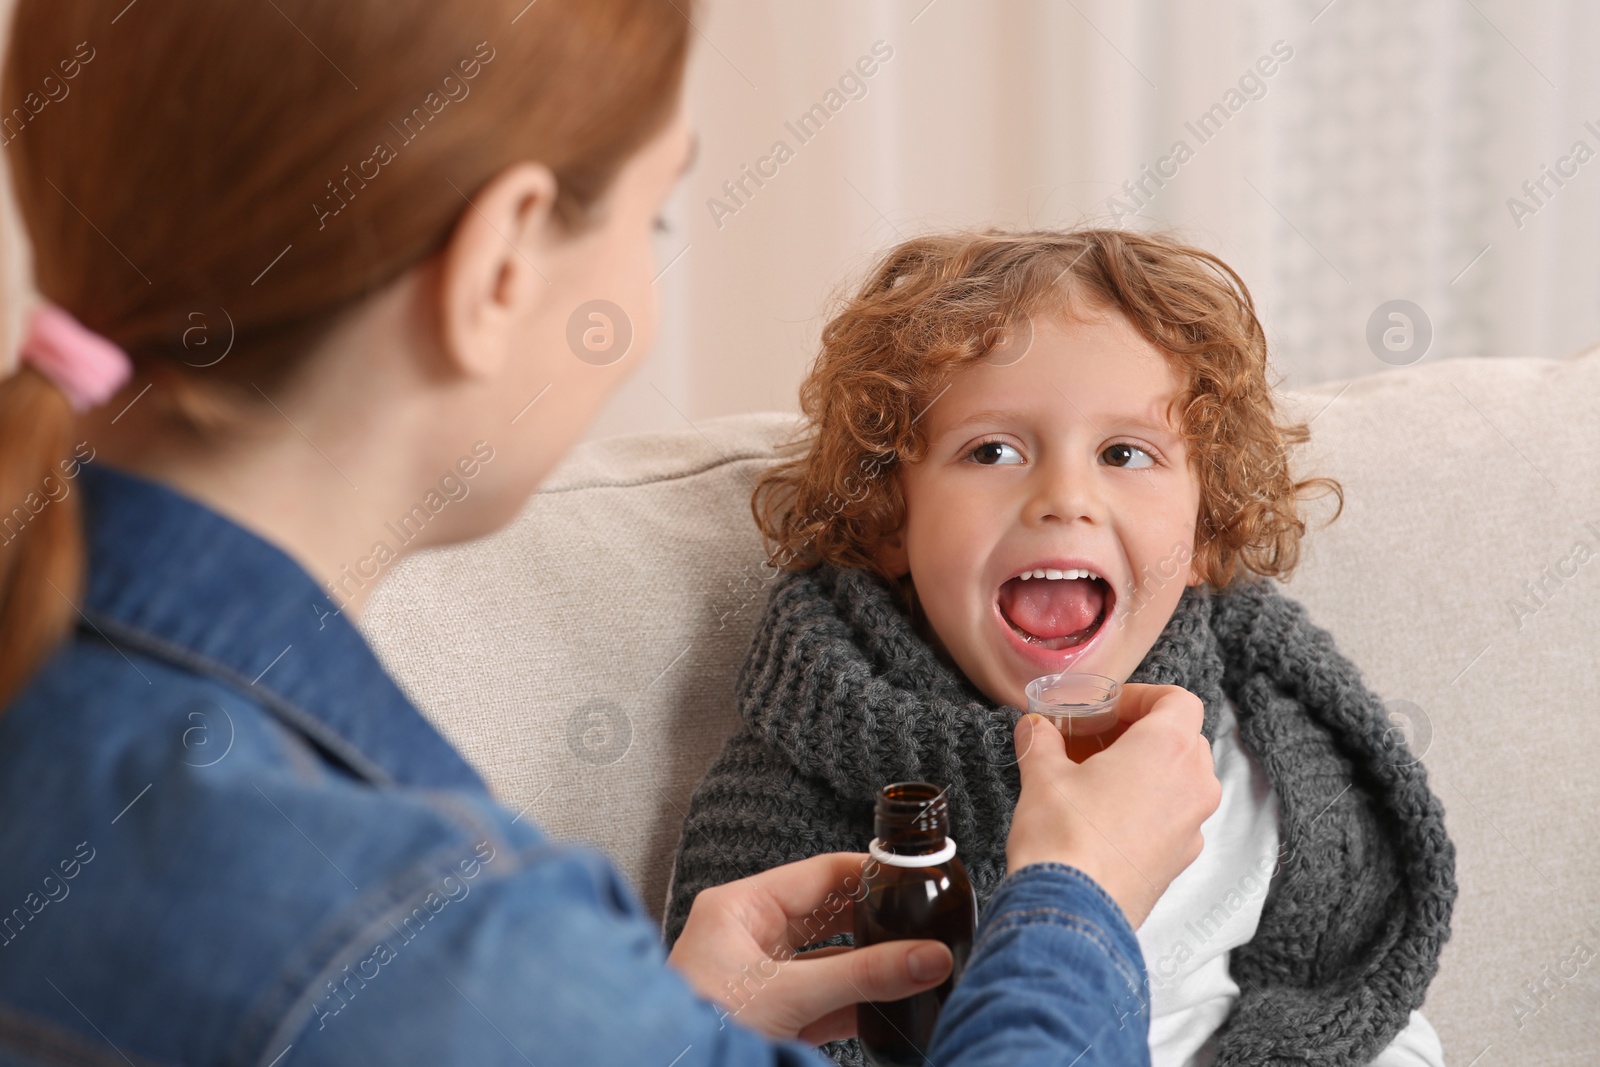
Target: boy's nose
(1064,492)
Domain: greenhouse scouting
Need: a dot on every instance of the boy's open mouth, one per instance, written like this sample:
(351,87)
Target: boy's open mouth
(1053,609)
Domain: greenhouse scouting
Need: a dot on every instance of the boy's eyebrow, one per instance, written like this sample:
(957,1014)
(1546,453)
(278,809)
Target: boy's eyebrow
(1005,415)
(987,415)
(1158,428)
(694,150)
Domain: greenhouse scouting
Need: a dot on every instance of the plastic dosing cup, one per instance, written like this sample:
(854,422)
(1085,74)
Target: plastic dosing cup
(1083,707)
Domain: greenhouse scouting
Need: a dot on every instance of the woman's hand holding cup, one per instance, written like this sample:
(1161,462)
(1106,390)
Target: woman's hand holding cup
(1129,816)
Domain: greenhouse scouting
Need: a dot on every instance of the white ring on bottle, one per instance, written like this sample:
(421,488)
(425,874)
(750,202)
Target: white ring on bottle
(895,859)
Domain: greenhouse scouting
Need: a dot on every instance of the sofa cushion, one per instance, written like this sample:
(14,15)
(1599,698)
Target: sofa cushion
(583,658)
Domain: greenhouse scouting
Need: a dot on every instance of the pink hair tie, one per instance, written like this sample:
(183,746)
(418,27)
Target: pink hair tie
(87,367)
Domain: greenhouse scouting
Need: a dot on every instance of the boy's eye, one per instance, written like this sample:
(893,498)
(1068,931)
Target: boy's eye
(992,453)
(1122,454)
(661,225)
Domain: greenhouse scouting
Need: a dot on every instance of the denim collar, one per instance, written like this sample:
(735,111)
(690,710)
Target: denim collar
(175,580)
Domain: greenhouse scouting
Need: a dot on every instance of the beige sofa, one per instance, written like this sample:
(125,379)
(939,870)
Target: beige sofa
(584,657)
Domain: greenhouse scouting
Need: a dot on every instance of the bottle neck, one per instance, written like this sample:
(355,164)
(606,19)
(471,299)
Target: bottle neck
(912,819)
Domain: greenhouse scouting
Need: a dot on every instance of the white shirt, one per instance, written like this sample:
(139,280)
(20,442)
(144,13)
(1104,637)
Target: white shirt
(1214,906)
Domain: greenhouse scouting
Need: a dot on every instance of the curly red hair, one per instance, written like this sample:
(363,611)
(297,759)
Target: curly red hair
(937,304)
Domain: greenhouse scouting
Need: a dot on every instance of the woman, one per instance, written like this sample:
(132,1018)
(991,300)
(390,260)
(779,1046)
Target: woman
(300,262)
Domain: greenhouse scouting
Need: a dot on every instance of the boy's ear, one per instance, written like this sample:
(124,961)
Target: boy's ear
(890,555)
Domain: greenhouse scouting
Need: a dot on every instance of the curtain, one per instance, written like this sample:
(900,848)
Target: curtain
(1341,156)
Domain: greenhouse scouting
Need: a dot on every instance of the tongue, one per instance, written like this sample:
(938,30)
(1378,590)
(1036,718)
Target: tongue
(1047,608)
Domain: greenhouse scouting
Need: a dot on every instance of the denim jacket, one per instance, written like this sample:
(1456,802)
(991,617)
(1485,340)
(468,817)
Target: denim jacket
(227,838)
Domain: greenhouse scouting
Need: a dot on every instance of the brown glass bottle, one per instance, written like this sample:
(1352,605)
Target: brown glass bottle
(916,887)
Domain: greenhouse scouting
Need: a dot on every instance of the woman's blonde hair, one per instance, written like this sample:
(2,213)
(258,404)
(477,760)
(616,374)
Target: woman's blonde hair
(937,304)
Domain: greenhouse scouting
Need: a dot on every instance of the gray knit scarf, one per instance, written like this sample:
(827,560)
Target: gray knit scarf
(840,696)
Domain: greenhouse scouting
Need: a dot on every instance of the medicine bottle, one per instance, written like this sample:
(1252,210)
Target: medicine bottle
(916,887)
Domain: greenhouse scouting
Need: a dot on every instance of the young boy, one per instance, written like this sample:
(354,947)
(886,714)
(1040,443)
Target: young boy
(1034,452)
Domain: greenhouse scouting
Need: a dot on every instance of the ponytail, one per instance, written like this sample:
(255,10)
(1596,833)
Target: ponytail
(41,534)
